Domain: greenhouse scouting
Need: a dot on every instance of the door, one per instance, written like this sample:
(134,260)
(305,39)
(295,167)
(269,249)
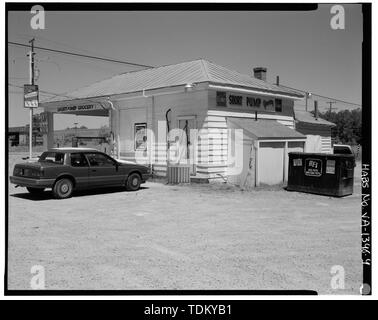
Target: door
(271,163)
(79,169)
(241,171)
(103,171)
(186,142)
(292,146)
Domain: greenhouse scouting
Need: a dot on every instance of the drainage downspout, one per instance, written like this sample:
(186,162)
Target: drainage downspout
(166,119)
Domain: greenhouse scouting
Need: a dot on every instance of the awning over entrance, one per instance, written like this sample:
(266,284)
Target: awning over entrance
(82,108)
(266,129)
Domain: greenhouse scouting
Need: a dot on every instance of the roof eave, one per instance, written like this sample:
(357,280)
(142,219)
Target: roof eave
(330,124)
(115,96)
(216,85)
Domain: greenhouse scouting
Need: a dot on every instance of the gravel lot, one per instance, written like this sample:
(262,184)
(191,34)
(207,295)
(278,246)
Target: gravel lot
(184,237)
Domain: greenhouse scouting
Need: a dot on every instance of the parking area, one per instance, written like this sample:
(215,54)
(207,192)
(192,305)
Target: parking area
(184,237)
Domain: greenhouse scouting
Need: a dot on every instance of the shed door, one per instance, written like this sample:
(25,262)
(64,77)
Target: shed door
(271,162)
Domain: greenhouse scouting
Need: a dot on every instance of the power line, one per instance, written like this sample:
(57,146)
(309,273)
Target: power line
(45,92)
(330,105)
(58,95)
(80,55)
(148,66)
(61,44)
(324,97)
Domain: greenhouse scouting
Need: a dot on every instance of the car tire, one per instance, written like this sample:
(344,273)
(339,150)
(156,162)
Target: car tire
(35,190)
(133,182)
(63,188)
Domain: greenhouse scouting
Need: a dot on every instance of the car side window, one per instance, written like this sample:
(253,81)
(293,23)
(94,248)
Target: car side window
(78,160)
(99,160)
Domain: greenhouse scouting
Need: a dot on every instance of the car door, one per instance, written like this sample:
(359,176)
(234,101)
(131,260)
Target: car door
(103,170)
(79,169)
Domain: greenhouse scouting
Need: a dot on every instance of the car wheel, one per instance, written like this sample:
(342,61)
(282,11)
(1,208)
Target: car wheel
(63,188)
(35,190)
(133,182)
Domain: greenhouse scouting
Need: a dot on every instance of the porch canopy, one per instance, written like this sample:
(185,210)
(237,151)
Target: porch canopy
(267,129)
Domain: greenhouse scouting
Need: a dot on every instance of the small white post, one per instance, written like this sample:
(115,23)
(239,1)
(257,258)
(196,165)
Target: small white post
(31,133)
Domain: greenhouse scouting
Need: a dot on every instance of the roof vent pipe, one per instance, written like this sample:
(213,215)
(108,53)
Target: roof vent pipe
(316,112)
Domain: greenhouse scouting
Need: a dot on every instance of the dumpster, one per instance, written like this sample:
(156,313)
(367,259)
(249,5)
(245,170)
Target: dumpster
(321,173)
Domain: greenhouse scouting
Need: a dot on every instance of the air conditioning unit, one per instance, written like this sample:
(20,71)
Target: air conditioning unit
(178,174)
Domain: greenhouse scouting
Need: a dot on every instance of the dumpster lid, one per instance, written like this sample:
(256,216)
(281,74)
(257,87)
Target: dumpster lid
(339,155)
(342,149)
(266,129)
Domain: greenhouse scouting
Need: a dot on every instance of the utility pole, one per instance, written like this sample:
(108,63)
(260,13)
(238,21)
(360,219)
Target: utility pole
(330,105)
(31,73)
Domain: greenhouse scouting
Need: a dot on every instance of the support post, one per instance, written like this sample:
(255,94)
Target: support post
(31,74)
(286,162)
(50,130)
(30,132)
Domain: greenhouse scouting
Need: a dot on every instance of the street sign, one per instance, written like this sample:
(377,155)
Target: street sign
(30,96)
(40,123)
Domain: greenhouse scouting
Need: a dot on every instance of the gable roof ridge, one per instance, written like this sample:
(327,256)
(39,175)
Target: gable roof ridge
(205,69)
(243,75)
(160,66)
(198,70)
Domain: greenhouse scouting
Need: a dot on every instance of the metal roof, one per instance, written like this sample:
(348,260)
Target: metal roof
(266,129)
(197,71)
(308,117)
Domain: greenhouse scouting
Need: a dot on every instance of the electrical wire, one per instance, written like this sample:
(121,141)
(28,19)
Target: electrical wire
(80,55)
(324,97)
(148,66)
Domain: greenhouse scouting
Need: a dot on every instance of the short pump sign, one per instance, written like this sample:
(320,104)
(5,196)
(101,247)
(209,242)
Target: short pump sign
(247,102)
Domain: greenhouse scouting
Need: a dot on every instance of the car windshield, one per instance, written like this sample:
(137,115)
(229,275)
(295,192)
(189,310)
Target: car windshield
(54,157)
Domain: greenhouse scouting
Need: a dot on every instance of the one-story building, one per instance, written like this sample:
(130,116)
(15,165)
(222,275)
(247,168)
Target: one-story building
(317,131)
(18,136)
(208,103)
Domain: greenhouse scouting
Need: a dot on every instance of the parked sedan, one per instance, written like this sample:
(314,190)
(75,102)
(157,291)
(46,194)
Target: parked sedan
(67,169)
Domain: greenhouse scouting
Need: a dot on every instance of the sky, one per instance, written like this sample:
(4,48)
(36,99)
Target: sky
(300,47)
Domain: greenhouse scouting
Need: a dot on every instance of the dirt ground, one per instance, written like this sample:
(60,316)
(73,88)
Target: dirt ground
(184,237)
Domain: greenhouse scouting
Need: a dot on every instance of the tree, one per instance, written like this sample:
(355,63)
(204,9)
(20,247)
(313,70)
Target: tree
(348,125)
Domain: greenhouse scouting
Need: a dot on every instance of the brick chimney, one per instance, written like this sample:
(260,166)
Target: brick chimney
(259,73)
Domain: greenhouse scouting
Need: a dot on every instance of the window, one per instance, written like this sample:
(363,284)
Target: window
(140,136)
(99,160)
(221,99)
(78,160)
(54,157)
(278,104)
